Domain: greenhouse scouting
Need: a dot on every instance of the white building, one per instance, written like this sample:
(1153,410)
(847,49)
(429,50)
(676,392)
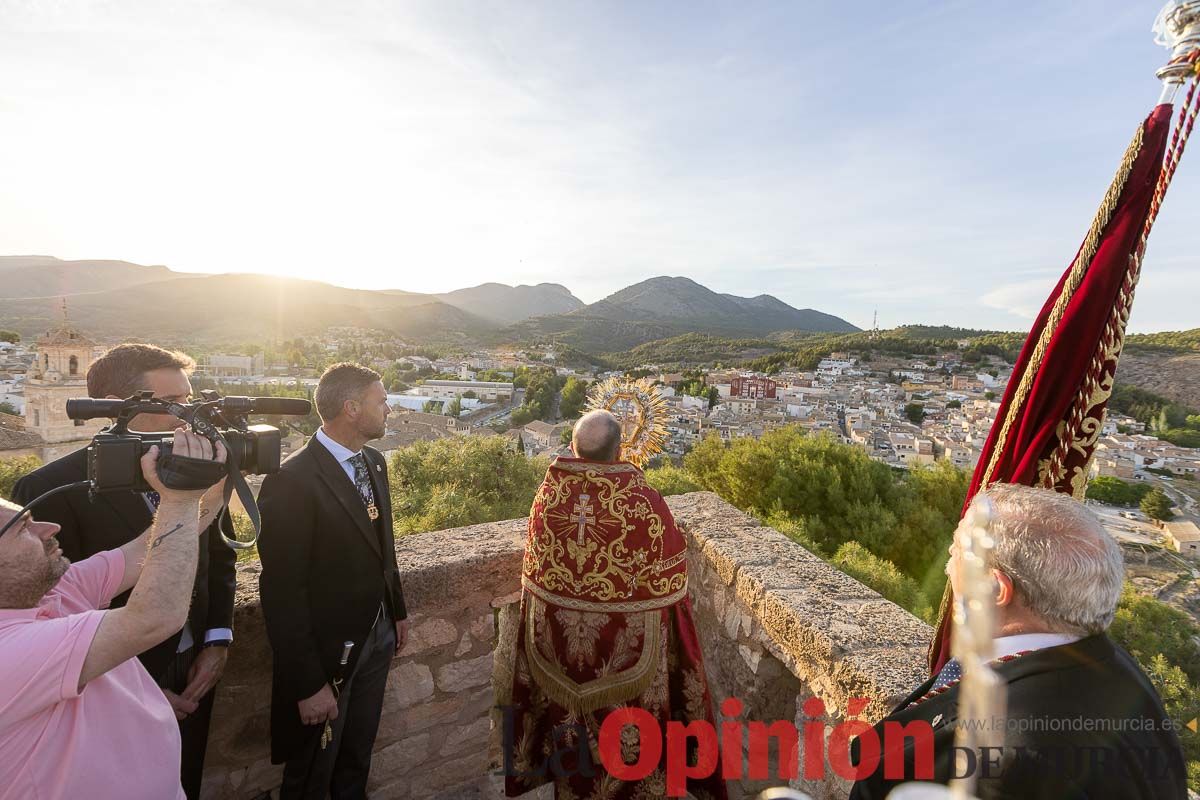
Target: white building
(223,365)
(487,391)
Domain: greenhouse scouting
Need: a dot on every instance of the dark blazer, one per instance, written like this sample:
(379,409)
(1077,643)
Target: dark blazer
(1092,680)
(325,571)
(116,518)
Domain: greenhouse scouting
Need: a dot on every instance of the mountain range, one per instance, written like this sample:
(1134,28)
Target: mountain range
(119,299)
(664,307)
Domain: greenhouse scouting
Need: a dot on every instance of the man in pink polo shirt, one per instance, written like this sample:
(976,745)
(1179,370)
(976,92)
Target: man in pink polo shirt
(79,714)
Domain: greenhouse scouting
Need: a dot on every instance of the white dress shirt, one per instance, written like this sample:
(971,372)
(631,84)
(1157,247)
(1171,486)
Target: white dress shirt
(340,452)
(1011,645)
(343,455)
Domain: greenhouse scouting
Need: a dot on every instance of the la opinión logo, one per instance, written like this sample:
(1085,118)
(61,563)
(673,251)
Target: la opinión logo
(695,750)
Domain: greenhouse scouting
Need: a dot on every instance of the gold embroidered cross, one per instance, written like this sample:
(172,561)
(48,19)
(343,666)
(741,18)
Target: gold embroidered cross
(583,516)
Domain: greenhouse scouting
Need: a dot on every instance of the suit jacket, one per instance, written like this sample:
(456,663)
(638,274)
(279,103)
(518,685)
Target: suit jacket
(116,518)
(326,569)
(1131,753)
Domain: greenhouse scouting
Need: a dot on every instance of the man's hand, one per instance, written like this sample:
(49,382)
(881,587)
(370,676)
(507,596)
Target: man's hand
(206,670)
(319,708)
(401,634)
(180,705)
(185,444)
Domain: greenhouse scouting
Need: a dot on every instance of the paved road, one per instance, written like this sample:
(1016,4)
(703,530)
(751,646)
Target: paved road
(1129,530)
(518,398)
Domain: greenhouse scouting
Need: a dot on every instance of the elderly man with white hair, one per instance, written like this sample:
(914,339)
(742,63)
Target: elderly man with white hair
(1082,720)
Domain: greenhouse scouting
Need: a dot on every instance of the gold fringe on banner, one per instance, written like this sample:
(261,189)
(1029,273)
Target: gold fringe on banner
(1091,244)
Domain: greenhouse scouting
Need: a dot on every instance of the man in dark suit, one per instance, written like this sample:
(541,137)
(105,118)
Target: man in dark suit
(329,577)
(1083,720)
(188,665)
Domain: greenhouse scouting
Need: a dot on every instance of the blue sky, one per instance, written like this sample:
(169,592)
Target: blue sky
(938,162)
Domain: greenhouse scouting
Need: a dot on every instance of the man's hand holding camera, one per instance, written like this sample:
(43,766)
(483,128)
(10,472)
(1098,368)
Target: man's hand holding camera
(208,502)
(206,670)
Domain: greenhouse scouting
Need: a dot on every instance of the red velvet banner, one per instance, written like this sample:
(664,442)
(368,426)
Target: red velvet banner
(1050,418)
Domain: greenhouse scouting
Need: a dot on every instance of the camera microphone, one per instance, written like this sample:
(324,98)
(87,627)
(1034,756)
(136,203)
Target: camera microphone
(283,406)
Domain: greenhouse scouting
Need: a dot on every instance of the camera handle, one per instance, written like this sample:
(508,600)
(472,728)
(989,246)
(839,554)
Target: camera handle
(234,481)
(38,499)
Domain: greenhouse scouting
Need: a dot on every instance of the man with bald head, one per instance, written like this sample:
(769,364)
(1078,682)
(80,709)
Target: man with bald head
(597,436)
(605,623)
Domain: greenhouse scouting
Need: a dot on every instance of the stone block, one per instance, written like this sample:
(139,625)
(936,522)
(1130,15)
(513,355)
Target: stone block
(261,776)
(408,683)
(459,675)
(473,737)
(251,740)
(484,557)
(399,724)
(751,657)
(428,635)
(452,778)
(398,759)
(464,646)
(483,627)
(508,599)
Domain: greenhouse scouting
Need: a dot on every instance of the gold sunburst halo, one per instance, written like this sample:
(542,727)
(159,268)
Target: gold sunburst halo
(641,410)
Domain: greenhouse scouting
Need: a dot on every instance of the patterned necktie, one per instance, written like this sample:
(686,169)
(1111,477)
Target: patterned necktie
(154,499)
(951,672)
(362,482)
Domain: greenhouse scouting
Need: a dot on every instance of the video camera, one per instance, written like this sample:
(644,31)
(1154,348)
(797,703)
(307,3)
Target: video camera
(114,456)
(115,453)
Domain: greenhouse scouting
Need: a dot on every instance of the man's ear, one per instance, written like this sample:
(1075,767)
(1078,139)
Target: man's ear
(1005,591)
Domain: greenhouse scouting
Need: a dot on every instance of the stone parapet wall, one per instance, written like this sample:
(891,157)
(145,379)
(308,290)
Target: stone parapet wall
(778,626)
(435,731)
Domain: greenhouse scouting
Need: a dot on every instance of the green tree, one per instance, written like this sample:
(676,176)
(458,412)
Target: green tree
(574,395)
(461,481)
(954,404)
(882,576)
(835,493)
(454,408)
(8,408)
(1163,639)
(669,479)
(522,416)
(1156,505)
(915,413)
(1116,492)
(13,469)
(9,336)
(432,406)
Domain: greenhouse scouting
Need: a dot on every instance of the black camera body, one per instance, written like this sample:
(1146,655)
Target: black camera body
(114,455)
(114,459)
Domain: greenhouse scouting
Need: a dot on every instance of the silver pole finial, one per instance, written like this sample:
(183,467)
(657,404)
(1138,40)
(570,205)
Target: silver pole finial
(1177,28)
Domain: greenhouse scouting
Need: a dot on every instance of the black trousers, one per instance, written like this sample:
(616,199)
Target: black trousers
(340,770)
(193,731)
